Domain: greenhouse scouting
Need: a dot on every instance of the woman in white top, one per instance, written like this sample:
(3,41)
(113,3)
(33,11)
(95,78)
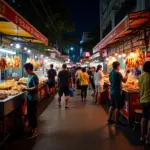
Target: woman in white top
(99,83)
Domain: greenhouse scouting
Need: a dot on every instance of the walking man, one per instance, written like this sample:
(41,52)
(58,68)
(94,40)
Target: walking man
(51,79)
(64,83)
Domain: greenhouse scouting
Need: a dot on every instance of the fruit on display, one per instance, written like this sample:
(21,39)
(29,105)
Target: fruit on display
(17,61)
(18,87)
(135,59)
(37,64)
(3,96)
(3,63)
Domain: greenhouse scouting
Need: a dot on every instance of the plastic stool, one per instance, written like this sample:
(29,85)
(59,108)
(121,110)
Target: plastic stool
(138,116)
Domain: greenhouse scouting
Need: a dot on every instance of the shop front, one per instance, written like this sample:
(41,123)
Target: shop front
(128,43)
(18,37)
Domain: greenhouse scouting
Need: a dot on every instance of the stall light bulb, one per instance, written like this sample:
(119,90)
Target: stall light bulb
(11,44)
(107,59)
(119,56)
(29,51)
(132,54)
(123,55)
(36,57)
(18,46)
(41,55)
(25,48)
(116,54)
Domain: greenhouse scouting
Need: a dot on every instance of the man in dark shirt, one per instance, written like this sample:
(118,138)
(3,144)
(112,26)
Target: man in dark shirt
(64,82)
(51,79)
(116,80)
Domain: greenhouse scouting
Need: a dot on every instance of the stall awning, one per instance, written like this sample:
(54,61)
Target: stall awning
(16,25)
(130,23)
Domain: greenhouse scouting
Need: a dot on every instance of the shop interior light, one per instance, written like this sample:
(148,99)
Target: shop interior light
(11,44)
(123,55)
(119,56)
(132,54)
(107,59)
(18,46)
(35,57)
(25,48)
(41,56)
(116,54)
(29,51)
(8,51)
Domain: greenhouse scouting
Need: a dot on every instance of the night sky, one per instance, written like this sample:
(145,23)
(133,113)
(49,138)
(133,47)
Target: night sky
(85,16)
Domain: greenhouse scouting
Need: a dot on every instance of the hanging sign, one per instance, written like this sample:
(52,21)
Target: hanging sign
(10,14)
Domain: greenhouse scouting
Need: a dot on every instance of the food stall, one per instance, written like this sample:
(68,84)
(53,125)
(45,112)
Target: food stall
(15,30)
(128,44)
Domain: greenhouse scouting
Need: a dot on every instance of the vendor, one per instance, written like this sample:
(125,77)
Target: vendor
(137,71)
(32,97)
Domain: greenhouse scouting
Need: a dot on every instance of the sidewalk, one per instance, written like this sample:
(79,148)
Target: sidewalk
(81,127)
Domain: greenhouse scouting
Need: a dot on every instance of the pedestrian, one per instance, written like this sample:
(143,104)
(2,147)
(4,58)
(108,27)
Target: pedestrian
(64,83)
(77,76)
(92,81)
(144,83)
(84,82)
(73,72)
(32,97)
(116,80)
(99,83)
(90,76)
(51,73)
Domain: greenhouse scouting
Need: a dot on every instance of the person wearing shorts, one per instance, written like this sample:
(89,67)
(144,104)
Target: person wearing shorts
(144,84)
(51,79)
(116,80)
(99,83)
(64,83)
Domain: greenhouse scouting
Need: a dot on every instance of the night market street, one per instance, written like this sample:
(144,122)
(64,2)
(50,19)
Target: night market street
(82,127)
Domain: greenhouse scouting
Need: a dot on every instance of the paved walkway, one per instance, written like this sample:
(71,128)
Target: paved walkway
(81,127)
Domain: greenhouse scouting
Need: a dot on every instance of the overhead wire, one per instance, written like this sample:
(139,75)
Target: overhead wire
(48,16)
(41,17)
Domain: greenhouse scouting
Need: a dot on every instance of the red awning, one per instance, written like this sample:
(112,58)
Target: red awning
(11,15)
(130,23)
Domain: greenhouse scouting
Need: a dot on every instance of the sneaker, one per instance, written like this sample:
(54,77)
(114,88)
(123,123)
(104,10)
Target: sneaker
(147,142)
(110,121)
(142,139)
(32,135)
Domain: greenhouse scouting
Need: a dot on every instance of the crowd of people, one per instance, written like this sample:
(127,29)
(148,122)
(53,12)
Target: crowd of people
(82,78)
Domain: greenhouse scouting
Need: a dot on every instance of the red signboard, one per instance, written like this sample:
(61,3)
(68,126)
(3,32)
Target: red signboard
(148,54)
(124,25)
(10,14)
(87,54)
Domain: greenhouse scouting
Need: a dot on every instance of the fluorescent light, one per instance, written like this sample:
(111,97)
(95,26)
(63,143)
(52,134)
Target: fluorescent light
(29,51)
(7,51)
(17,45)
(25,48)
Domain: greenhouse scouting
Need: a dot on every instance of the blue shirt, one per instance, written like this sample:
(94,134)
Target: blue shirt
(32,82)
(115,78)
(137,72)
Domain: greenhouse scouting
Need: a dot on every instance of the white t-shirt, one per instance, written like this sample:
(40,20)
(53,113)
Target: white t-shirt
(78,73)
(99,78)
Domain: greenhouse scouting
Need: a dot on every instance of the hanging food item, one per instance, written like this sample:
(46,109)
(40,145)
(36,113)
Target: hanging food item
(3,63)
(135,60)
(17,61)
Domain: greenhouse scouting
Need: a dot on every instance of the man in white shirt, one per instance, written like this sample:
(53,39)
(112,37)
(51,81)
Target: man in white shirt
(99,83)
(77,77)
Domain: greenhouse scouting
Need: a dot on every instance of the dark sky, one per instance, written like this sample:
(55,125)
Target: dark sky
(85,14)
(85,17)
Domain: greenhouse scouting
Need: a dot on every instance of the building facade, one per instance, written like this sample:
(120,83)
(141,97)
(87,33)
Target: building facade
(113,11)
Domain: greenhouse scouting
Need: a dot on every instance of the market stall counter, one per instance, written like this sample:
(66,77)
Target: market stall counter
(8,106)
(131,99)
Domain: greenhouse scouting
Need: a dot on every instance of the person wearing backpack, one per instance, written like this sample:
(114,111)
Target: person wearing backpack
(51,79)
